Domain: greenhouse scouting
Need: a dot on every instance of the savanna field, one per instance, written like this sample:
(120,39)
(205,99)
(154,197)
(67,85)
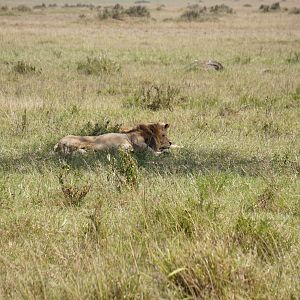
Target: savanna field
(216,219)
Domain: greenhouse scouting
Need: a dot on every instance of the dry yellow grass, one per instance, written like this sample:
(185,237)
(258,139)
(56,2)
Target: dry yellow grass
(218,219)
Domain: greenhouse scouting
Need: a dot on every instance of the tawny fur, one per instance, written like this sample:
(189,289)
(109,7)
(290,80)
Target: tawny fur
(151,136)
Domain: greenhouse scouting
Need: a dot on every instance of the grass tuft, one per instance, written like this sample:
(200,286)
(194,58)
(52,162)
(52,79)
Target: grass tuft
(124,170)
(73,187)
(22,67)
(118,12)
(260,238)
(156,97)
(102,65)
(105,126)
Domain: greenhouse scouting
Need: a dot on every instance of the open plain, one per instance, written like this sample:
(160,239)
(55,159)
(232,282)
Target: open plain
(216,219)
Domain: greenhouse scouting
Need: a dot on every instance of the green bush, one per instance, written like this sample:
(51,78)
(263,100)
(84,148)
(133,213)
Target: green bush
(156,97)
(294,11)
(194,13)
(74,189)
(115,12)
(118,12)
(105,126)
(123,169)
(260,237)
(202,13)
(23,67)
(138,11)
(221,9)
(22,8)
(98,66)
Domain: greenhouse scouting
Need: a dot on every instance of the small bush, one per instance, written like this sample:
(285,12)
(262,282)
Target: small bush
(268,198)
(123,169)
(242,60)
(275,6)
(141,1)
(42,6)
(160,7)
(115,12)
(91,128)
(200,272)
(22,8)
(4,8)
(221,9)
(74,190)
(260,237)
(97,228)
(194,13)
(22,67)
(267,8)
(138,11)
(294,11)
(98,66)
(294,58)
(264,8)
(118,12)
(156,97)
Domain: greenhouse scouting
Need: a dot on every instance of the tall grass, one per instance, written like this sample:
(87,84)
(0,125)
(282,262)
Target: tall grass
(216,219)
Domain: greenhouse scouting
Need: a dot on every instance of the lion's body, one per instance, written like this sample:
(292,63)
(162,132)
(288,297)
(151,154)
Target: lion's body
(151,136)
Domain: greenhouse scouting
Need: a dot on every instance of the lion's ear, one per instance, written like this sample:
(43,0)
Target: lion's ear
(167,126)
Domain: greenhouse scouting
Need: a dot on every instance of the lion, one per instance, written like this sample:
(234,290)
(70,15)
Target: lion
(143,137)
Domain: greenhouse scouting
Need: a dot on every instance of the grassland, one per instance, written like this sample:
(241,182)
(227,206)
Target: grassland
(218,219)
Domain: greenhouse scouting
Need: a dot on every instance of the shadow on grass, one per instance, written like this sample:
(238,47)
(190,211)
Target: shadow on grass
(178,161)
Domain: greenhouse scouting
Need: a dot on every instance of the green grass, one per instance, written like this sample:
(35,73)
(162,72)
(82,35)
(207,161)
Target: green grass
(217,219)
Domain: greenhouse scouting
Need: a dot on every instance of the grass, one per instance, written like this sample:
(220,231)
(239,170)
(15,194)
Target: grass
(155,97)
(217,219)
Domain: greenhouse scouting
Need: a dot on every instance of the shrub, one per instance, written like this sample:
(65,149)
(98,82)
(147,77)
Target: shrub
(156,97)
(4,8)
(293,58)
(97,228)
(138,11)
(200,272)
(260,237)
(42,6)
(160,7)
(118,12)
(115,12)
(196,12)
(22,67)
(73,189)
(294,10)
(193,13)
(264,8)
(102,127)
(141,1)
(123,169)
(217,9)
(275,6)
(22,8)
(98,66)
(241,60)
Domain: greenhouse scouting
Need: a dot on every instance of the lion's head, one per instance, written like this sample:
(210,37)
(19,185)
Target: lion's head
(155,135)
